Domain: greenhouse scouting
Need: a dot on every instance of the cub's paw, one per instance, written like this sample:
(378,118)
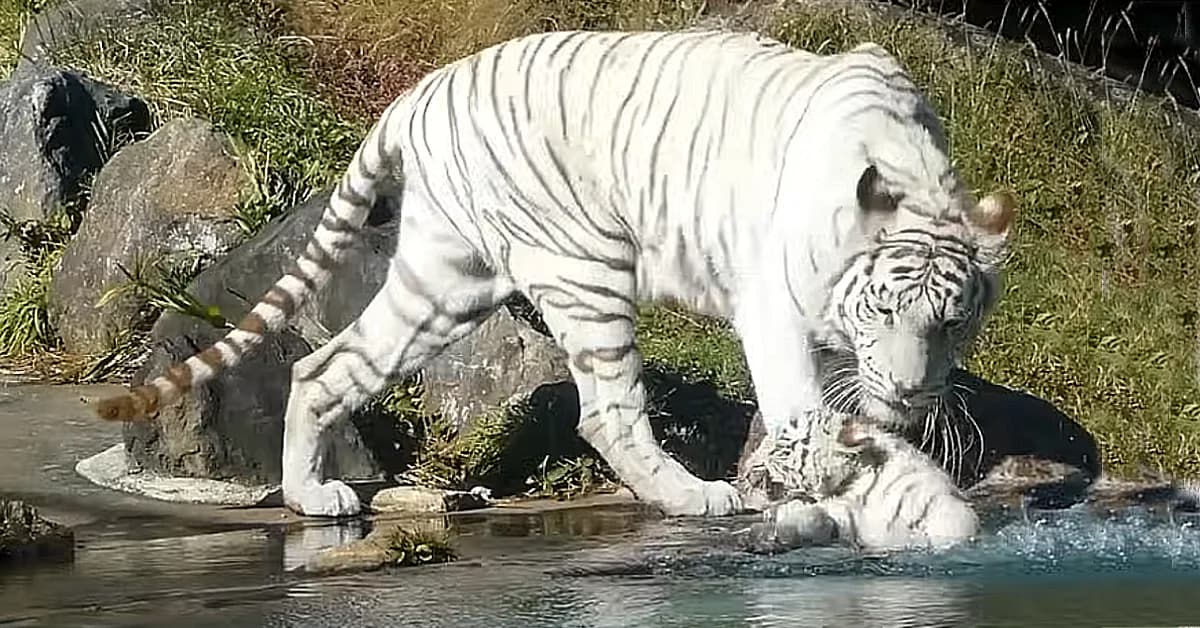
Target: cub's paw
(330,499)
(791,525)
(702,499)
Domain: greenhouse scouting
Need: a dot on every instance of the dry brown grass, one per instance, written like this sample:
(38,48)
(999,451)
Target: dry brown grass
(366,52)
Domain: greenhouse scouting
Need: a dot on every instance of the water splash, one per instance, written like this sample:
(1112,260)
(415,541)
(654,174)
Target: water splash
(1071,542)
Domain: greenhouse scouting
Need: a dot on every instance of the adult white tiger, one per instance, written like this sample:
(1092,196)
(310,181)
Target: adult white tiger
(807,198)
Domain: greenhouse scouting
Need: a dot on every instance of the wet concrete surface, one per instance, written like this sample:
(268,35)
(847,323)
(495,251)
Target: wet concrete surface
(46,430)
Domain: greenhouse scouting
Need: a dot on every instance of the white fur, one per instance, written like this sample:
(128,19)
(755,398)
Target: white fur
(895,498)
(722,171)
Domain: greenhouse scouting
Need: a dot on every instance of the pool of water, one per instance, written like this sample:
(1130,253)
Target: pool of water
(619,567)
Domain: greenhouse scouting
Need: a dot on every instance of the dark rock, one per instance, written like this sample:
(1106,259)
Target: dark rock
(24,534)
(232,427)
(57,128)
(170,199)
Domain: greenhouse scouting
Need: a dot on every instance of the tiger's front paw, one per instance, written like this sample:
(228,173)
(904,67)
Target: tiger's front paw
(329,499)
(703,499)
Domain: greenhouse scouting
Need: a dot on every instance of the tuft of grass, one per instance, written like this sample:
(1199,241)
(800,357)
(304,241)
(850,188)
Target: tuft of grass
(222,62)
(697,347)
(565,478)
(162,285)
(1099,312)
(24,320)
(415,546)
(451,460)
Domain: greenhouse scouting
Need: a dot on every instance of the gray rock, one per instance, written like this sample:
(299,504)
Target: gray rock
(48,126)
(24,534)
(232,427)
(172,197)
(57,128)
(505,360)
(419,499)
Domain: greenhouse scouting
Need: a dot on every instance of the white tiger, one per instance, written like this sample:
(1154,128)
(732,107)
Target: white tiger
(845,479)
(807,198)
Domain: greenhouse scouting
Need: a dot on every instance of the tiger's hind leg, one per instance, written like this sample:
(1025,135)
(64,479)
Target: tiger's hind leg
(590,309)
(436,292)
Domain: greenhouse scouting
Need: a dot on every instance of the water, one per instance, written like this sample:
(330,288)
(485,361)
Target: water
(617,567)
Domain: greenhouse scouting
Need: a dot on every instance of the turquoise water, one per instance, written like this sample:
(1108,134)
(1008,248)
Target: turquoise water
(618,568)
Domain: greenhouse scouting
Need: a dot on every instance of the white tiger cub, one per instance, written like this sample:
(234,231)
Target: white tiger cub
(807,198)
(875,491)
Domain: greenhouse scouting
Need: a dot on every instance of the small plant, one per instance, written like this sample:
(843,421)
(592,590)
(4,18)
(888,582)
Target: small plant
(163,287)
(570,477)
(415,546)
(24,318)
(458,461)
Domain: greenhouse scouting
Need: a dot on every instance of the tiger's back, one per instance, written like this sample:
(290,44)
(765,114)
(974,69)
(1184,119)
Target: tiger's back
(674,152)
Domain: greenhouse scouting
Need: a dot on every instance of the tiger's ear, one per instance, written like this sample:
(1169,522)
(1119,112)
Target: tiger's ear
(993,215)
(872,193)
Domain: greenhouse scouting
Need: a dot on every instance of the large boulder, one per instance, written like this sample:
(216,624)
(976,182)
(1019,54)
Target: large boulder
(56,129)
(170,200)
(232,427)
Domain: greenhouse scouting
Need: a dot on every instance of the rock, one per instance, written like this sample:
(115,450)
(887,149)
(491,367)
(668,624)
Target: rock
(406,543)
(418,499)
(57,128)
(171,198)
(24,534)
(232,427)
(505,359)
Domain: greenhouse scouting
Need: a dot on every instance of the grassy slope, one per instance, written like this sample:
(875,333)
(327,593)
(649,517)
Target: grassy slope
(1099,312)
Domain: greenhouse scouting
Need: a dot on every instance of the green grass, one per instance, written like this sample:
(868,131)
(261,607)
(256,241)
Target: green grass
(24,320)
(412,547)
(14,15)
(222,62)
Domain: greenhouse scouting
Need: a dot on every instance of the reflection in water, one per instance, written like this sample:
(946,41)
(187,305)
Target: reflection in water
(612,568)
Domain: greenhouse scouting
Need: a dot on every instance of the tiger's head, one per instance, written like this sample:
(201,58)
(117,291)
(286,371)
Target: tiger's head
(922,280)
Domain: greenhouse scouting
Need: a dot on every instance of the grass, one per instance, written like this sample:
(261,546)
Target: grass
(365,52)
(14,15)
(24,320)
(414,546)
(223,62)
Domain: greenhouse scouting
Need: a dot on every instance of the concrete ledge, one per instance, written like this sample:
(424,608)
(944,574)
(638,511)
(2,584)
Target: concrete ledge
(112,469)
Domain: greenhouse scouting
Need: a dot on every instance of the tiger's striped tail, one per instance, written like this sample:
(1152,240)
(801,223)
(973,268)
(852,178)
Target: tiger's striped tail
(339,229)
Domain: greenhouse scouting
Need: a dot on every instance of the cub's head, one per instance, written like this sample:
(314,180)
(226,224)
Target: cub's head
(913,295)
